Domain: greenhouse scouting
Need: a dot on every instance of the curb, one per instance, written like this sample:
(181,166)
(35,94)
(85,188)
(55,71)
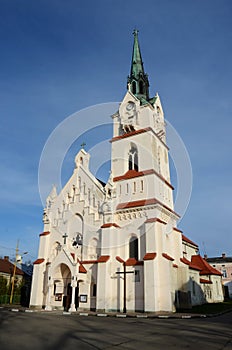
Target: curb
(117,315)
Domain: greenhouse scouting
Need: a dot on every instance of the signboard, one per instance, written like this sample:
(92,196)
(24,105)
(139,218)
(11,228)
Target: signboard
(58,297)
(83,298)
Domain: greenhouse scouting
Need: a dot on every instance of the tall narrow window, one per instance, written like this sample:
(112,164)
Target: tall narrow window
(133,248)
(141,87)
(134,187)
(133,158)
(134,87)
(141,185)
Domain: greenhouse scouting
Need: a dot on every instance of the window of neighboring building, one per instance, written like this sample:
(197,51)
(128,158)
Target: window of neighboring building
(224,273)
(133,248)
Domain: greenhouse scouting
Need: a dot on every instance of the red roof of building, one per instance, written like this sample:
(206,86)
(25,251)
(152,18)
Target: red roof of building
(186,239)
(130,174)
(205,268)
(38,261)
(151,220)
(109,224)
(7,267)
(202,280)
(149,256)
(103,258)
(44,233)
(168,257)
(134,132)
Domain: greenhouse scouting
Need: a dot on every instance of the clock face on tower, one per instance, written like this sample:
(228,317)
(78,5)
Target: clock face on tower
(130,106)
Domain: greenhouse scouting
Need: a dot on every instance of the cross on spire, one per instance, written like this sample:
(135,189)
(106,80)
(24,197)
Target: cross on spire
(135,31)
(83,144)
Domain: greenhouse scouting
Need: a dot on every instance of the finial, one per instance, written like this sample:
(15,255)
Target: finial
(135,32)
(83,144)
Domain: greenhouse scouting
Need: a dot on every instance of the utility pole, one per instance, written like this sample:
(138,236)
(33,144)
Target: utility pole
(13,277)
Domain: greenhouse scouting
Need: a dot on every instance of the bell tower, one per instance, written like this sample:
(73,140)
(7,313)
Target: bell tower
(140,164)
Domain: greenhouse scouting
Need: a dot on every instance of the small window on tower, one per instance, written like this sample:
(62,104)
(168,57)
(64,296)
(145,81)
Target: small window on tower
(127,188)
(133,248)
(141,185)
(133,158)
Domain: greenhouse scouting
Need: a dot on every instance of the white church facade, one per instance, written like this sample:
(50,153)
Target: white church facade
(116,246)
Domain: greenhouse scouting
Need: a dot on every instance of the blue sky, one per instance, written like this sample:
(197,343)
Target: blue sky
(59,56)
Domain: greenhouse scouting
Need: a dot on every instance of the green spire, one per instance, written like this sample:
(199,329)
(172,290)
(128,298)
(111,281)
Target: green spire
(138,80)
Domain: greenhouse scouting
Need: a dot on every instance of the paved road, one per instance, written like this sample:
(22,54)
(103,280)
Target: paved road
(42,331)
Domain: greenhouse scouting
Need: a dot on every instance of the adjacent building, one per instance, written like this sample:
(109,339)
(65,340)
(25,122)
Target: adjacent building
(223,264)
(116,246)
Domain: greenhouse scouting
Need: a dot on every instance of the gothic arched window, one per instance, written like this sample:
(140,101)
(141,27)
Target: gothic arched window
(133,158)
(133,248)
(133,87)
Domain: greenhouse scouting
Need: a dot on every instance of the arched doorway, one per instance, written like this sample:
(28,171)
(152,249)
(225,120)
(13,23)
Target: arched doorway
(62,290)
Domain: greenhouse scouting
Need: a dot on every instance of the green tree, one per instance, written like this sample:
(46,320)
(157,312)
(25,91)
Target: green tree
(3,286)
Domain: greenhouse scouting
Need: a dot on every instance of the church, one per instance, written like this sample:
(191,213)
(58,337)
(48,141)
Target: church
(116,247)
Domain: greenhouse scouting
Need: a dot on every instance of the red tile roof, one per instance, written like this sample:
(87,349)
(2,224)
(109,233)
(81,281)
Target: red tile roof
(44,233)
(131,262)
(149,256)
(110,224)
(119,259)
(176,229)
(85,262)
(82,269)
(185,261)
(38,261)
(154,220)
(130,174)
(168,257)
(134,132)
(206,269)
(186,239)
(142,203)
(103,258)
(202,280)
(8,267)
(190,264)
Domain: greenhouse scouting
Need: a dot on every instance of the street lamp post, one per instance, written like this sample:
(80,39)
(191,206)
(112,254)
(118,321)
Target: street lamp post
(14,272)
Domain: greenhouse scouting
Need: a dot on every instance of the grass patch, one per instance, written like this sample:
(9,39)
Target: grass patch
(210,308)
